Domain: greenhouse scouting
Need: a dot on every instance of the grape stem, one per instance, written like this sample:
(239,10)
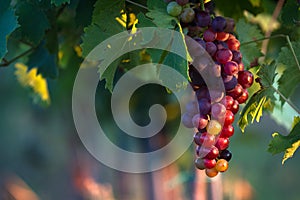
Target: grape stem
(137,4)
(277,36)
(202,5)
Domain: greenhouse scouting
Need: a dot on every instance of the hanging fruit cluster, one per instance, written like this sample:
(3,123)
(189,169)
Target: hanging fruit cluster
(213,120)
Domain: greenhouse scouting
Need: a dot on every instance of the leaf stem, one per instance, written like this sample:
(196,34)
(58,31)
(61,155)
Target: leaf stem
(6,63)
(137,4)
(293,51)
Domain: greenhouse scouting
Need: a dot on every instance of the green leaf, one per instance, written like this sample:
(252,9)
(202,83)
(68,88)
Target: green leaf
(156,5)
(260,100)
(290,13)
(143,21)
(162,19)
(247,32)
(8,23)
(44,61)
(289,143)
(290,78)
(33,22)
(59,2)
(255,3)
(104,13)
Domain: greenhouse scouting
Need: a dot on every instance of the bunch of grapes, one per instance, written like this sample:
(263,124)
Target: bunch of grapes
(213,120)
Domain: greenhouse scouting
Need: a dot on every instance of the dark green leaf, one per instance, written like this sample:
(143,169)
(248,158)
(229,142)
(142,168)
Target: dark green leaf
(290,78)
(8,23)
(290,13)
(162,19)
(33,22)
(144,21)
(59,2)
(288,143)
(44,61)
(156,5)
(250,52)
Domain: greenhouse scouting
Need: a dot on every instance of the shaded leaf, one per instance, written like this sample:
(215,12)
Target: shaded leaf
(59,2)
(8,23)
(44,62)
(287,144)
(33,22)
(162,19)
(290,78)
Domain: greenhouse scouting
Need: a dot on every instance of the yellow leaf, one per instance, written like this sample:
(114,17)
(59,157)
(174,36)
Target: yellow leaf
(290,151)
(30,79)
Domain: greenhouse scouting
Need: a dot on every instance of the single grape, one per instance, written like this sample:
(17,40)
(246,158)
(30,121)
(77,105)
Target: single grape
(225,154)
(233,44)
(236,56)
(203,19)
(186,119)
(174,9)
(204,106)
(222,143)
(229,82)
(212,153)
(227,131)
(211,48)
(222,36)
(230,24)
(223,55)
(221,165)
(245,78)
(218,111)
(218,24)
(213,127)
(231,68)
(229,101)
(209,35)
(204,139)
(182,2)
(199,163)
(235,107)
(208,163)
(187,15)
(211,172)
(236,92)
(243,98)
(229,118)
(200,121)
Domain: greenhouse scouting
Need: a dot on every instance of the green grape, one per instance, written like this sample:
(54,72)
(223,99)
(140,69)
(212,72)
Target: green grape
(174,9)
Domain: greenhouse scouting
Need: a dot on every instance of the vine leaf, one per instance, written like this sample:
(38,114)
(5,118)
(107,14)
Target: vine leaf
(8,23)
(288,144)
(33,22)
(290,78)
(246,32)
(44,62)
(105,12)
(262,99)
(59,2)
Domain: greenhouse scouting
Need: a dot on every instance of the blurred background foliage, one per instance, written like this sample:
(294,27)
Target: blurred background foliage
(42,156)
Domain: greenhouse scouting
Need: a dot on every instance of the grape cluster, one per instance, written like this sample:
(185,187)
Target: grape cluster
(213,120)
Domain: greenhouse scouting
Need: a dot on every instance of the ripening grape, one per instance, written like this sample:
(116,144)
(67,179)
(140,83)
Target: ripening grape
(174,9)
(213,127)
(203,19)
(221,165)
(211,172)
(187,15)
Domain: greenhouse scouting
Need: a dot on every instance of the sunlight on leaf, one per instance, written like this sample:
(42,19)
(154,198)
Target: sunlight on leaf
(290,151)
(30,79)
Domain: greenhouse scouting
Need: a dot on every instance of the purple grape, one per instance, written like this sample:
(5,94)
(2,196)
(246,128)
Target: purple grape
(195,76)
(203,19)
(231,68)
(182,2)
(204,106)
(229,82)
(200,121)
(209,35)
(218,24)
(211,48)
(186,119)
(200,41)
(236,56)
(218,111)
